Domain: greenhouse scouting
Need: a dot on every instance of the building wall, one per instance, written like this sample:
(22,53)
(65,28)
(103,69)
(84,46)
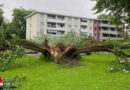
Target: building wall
(28,27)
(60,25)
(33,26)
(90,27)
(103,30)
(45,24)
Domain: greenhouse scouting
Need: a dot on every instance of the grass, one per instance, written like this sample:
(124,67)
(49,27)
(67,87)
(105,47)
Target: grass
(91,75)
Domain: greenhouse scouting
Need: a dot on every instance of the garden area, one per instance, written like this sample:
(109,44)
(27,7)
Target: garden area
(92,73)
(73,61)
(98,66)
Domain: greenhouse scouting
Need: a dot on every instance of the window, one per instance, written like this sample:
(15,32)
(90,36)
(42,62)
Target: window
(61,17)
(85,33)
(51,25)
(83,27)
(90,21)
(90,28)
(60,32)
(90,34)
(52,16)
(69,19)
(76,21)
(41,22)
(51,32)
(30,26)
(83,20)
(60,25)
(42,17)
(69,23)
(69,26)
(105,22)
(41,26)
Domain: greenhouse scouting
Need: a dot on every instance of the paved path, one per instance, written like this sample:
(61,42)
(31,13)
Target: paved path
(33,54)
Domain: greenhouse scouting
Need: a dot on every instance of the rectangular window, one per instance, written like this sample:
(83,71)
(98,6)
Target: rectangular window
(51,16)
(90,28)
(69,23)
(51,32)
(76,24)
(42,17)
(60,32)
(61,17)
(83,19)
(41,22)
(76,21)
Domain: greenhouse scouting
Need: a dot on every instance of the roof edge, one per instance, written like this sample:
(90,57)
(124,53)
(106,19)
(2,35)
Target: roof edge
(60,15)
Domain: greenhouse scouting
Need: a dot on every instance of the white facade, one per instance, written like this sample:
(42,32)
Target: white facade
(56,24)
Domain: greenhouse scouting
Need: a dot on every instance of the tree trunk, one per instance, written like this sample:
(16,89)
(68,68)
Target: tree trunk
(70,51)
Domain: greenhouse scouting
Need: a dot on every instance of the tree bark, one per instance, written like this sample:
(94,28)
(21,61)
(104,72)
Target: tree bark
(70,51)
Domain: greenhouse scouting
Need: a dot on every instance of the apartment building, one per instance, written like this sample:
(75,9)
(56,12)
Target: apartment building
(57,24)
(103,29)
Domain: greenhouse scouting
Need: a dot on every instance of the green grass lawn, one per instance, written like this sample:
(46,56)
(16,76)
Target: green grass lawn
(91,75)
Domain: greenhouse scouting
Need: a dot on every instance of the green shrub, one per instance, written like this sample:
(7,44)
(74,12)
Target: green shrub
(13,82)
(46,59)
(70,37)
(119,66)
(7,57)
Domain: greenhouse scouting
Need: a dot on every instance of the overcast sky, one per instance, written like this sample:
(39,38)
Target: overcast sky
(67,7)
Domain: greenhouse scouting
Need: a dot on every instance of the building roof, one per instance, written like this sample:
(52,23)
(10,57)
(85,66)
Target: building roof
(59,15)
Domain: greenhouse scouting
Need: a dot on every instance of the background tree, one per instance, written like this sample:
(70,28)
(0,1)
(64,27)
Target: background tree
(19,21)
(1,15)
(126,35)
(118,10)
(103,16)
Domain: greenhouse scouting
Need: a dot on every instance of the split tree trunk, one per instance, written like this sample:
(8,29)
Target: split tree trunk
(70,51)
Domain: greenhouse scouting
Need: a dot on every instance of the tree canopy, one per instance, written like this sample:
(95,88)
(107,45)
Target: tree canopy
(1,15)
(118,10)
(19,21)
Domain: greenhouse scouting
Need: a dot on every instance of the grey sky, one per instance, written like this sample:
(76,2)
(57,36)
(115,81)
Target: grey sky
(67,7)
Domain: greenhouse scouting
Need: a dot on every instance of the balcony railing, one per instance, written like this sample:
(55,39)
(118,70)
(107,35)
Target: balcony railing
(56,28)
(113,26)
(60,21)
(104,25)
(84,23)
(51,20)
(84,30)
(109,32)
(60,28)
(56,20)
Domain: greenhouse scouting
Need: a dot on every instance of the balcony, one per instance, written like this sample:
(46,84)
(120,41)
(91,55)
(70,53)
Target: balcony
(104,25)
(118,38)
(60,28)
(109,32)
(84,23)
(83,30)
(104,38)
(60,21)
(51,20)
(113,26)
(113,38)
(51,28)
(56,28)
(55,20)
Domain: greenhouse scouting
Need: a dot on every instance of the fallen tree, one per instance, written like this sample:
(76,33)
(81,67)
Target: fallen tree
(69,51)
